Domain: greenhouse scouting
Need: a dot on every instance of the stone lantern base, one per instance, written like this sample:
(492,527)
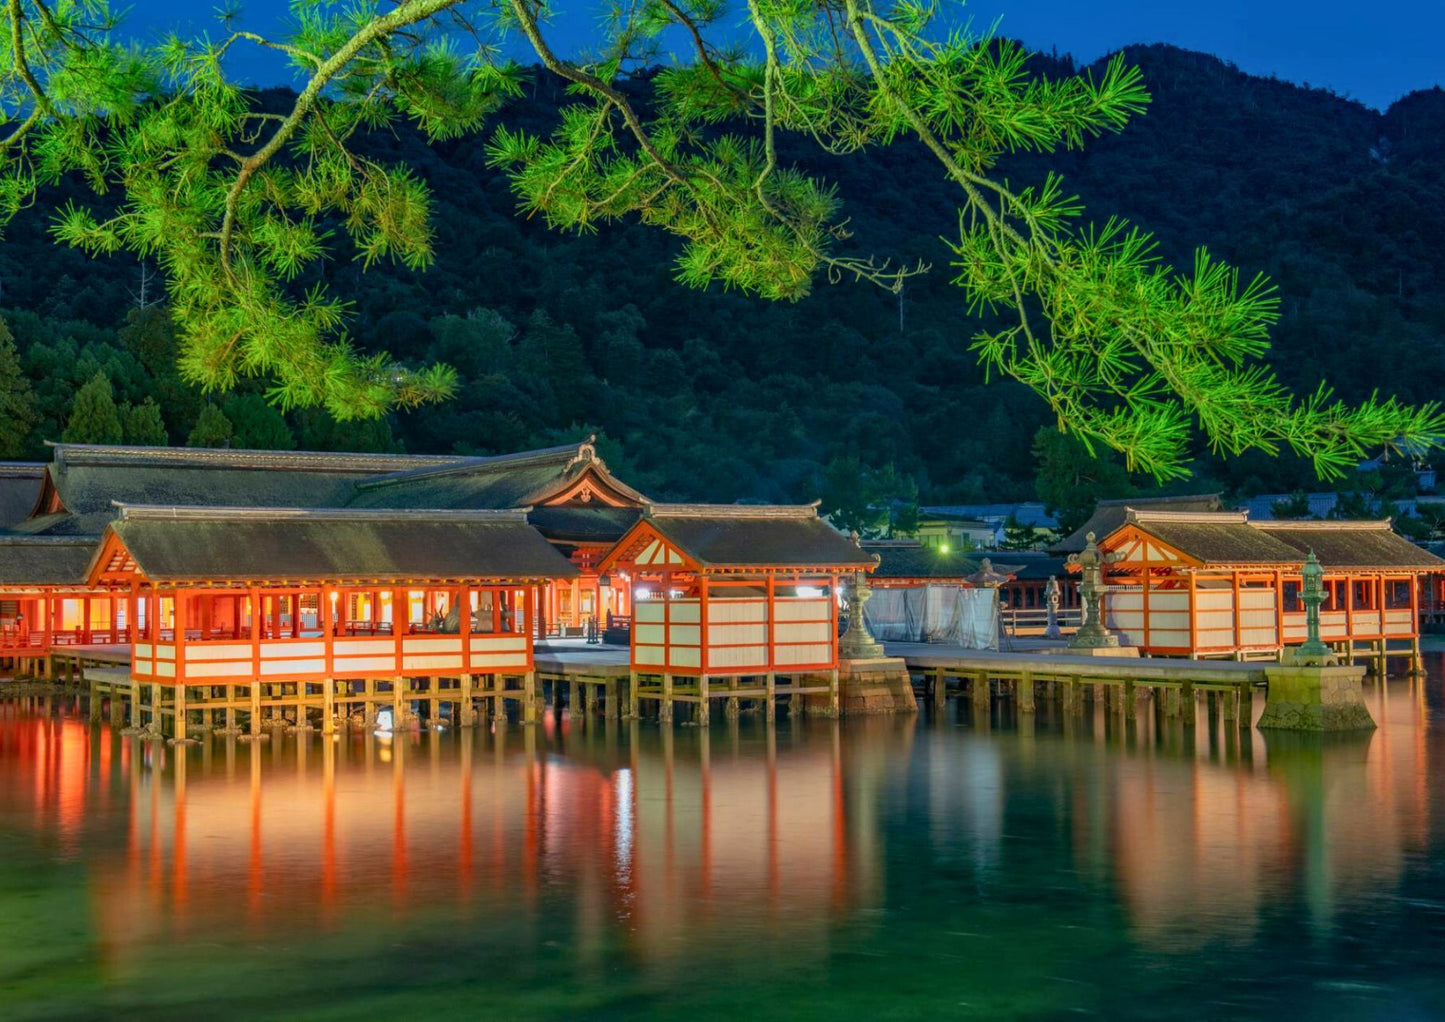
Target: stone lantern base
(1307,697)
(879,685)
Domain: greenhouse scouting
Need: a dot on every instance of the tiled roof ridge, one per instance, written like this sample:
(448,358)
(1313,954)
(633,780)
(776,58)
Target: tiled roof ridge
(1143,516)
(26,539)
(153,512)
(1177,498)
(732,511)
(582,451)
(313,461)
(1326,525)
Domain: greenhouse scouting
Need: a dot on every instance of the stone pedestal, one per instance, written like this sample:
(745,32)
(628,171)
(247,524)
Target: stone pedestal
(878,685)
(1304,697)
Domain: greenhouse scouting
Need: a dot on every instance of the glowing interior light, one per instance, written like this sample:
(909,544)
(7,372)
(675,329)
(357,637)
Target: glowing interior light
(385,721)
(943,548)
(642,592)
(809,592)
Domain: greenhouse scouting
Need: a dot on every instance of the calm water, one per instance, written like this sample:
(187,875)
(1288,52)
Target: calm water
(873,869)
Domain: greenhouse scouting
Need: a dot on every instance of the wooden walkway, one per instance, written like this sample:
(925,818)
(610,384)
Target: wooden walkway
(593,678)
(1118,681)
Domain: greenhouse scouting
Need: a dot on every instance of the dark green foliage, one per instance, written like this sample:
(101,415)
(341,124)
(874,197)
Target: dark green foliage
(142,425)
(212,429)
(716,396)
(860,499)
(1071,480)
(17,400)
(94,417)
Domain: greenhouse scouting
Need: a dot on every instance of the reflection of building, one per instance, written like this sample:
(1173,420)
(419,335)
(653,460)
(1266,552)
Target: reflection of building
(670,839)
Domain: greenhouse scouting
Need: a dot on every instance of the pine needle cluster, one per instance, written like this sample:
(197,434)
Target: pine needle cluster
(239,203)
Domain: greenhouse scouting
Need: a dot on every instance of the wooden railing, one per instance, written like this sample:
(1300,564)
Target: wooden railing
(1035,621)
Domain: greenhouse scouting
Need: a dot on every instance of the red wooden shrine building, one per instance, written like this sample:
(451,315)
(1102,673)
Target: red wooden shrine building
(1218,584)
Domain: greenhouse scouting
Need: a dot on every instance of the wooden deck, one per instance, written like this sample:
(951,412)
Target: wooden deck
(597,678)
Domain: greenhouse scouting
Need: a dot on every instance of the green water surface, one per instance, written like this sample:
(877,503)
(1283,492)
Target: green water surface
(875,868)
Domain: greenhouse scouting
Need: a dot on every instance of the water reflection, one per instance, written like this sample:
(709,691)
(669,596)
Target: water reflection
(625,858)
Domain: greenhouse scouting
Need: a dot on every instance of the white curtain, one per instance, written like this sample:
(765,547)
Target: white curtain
(944,614)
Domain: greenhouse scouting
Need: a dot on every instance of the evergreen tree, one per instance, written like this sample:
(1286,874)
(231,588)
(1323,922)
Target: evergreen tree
(142,424)
(1071,480)
(94,417)
(1017,536)
(237,195)
(1296,505)
(17,400)
(212,429)
(258,425)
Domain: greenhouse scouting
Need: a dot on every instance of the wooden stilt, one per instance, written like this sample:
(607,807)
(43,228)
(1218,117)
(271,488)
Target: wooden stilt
(1024,691)
(634,695)
(328,706)
(835,695)
(940,688)
(178,722)
(664,712)
(704,710)
(770,708)
(529,697)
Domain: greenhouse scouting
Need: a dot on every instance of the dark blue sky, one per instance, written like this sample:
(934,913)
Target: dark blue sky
(1374,51)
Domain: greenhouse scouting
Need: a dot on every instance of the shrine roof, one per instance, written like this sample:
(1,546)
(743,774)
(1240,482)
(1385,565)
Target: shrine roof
(1110,514)
(756,536)
(45,560)
(507,480)
(195,544)
(1351,544)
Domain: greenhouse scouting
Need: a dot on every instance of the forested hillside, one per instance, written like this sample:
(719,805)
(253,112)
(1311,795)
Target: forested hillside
(708,394)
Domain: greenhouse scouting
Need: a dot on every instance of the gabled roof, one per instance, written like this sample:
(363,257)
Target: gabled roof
(27,561)
(525,479)
(86,481)
(1352,544)
(1229,538)
(228,545)
(19,490)
(1110,514)
(745,536)
(1213,538)
(907,559)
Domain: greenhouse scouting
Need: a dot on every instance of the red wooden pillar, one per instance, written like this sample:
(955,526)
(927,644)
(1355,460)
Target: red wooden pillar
(702,623)
(768,627)
(464,626)
(400,622)
(255,599)
(1193,617)
(180,603)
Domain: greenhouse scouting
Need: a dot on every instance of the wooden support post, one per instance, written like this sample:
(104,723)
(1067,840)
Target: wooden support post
(398,703)
(1131,700)
(732,708)
(940,688)
(609,699)
(1025,691)
(529,697)
(1246,706)
(704,710)
(979,692)
(1231,705)
(589,700)
(466,713)
(664,712)
(178,721)
(835,695)
(328,706)
(94,703)
(770,707)
(1186,703)
(634,696)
